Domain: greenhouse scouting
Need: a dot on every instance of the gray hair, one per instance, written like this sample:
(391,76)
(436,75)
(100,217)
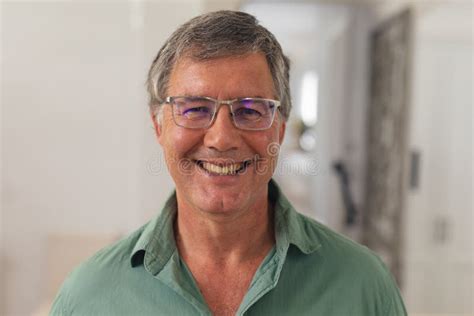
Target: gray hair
(220,34)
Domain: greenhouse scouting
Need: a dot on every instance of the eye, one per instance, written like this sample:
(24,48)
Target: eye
(193,108)
(247,114)
(196,112)
(196,109)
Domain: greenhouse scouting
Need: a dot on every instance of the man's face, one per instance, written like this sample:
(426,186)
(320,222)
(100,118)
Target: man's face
(189,151)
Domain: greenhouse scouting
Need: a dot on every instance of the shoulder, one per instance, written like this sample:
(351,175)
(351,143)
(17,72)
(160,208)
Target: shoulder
(96,273)
(350,266)
(340,256)
(310,236)
(334,245)
(112,256)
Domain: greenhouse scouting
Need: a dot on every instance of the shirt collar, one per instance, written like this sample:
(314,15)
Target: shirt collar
(156,244)
(291,227)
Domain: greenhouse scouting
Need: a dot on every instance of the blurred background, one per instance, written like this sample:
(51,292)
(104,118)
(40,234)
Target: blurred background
(378,147)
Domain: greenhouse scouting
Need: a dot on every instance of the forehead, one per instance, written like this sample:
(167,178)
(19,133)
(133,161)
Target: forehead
(224,78)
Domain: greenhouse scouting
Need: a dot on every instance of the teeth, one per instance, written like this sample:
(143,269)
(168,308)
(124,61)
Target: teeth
(225,170)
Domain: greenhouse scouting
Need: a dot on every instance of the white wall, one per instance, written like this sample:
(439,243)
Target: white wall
(2,239)
(439,265)
(76,139)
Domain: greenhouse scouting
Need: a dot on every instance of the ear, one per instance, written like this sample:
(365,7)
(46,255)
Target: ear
(156,124)
(281,135)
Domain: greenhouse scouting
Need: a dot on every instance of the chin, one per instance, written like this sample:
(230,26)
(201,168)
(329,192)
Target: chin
(221,205)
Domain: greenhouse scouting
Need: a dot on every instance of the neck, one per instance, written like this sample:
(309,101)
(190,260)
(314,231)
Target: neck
(224,239)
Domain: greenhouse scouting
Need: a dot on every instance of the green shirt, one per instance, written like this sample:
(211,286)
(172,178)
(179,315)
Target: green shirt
(310,271)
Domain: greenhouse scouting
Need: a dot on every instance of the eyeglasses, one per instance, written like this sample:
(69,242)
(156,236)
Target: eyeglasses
(200,112)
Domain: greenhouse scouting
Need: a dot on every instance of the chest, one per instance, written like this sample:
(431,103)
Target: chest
(224,291)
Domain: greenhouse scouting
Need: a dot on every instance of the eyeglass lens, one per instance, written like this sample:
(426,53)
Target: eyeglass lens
(198,112)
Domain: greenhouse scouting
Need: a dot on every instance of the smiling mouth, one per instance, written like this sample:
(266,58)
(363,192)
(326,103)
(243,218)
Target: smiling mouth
(223,170)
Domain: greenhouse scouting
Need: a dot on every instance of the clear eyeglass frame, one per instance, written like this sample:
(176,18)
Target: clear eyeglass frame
(217,104)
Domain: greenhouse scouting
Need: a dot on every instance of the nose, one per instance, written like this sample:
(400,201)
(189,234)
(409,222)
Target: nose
(222,135)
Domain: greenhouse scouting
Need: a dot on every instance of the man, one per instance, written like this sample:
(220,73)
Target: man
(227,241)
